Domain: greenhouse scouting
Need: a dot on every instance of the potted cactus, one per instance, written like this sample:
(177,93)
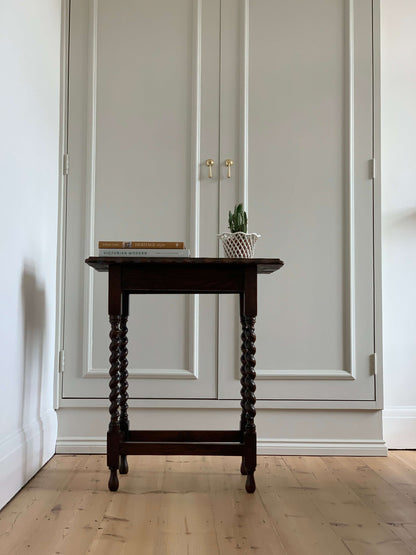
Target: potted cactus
(238,243)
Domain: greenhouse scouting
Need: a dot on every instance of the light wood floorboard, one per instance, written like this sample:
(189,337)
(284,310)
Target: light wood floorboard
(198,506)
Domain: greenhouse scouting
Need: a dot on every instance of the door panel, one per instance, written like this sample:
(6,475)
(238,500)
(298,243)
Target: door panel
(306,69)
(141,114)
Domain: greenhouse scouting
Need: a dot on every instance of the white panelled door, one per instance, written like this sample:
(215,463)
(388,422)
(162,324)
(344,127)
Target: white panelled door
(303,142)
(284,88)
(143,113)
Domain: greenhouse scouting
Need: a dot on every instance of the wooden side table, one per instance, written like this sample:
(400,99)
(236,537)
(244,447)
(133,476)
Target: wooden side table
(129,276)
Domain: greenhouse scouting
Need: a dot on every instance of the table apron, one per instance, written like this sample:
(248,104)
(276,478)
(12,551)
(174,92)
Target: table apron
(167,279)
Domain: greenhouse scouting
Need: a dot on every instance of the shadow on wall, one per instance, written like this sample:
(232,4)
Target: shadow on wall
(34,322)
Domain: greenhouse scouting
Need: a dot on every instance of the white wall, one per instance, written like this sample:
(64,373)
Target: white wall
(398,128)
(29,171)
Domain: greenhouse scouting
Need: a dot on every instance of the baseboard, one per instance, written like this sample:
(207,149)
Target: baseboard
(365,448)
(24,452)
(330,447)
(81,445)
(399,427)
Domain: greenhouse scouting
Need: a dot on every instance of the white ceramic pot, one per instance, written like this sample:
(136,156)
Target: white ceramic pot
(239,244)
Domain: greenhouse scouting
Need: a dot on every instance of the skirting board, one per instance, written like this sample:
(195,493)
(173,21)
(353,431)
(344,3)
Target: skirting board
(399,427)
(364,448)
(24,452)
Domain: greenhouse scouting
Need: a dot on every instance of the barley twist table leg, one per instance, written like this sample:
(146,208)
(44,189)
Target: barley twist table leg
(124,420)
(113,434)
(243,388)
(250,428)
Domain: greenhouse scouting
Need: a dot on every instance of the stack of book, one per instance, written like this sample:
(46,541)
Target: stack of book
(164,249)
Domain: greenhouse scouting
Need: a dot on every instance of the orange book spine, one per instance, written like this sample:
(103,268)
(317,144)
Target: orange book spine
(140,245)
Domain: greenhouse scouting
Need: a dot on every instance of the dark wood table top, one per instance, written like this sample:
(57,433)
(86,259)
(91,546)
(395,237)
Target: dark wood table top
(264,265)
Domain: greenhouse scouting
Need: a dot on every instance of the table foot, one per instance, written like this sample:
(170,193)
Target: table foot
(250,483)
(243,467)
(124,467)
(113,480)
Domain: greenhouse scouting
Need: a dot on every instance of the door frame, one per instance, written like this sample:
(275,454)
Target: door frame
(62,203)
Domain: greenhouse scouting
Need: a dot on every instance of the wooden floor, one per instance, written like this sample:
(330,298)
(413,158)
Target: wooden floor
(198,506)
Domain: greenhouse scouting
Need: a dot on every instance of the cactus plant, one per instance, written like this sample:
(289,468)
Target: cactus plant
(237,220)
(238,243)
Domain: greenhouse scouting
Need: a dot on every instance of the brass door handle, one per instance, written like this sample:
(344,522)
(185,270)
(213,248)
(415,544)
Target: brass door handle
(210,163)
(229,163)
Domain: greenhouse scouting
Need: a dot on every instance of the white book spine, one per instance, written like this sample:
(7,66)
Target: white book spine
(145,252)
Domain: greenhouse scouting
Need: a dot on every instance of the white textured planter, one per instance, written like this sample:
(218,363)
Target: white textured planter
(239,244)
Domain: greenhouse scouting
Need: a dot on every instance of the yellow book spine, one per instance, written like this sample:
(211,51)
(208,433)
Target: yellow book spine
(140,245)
